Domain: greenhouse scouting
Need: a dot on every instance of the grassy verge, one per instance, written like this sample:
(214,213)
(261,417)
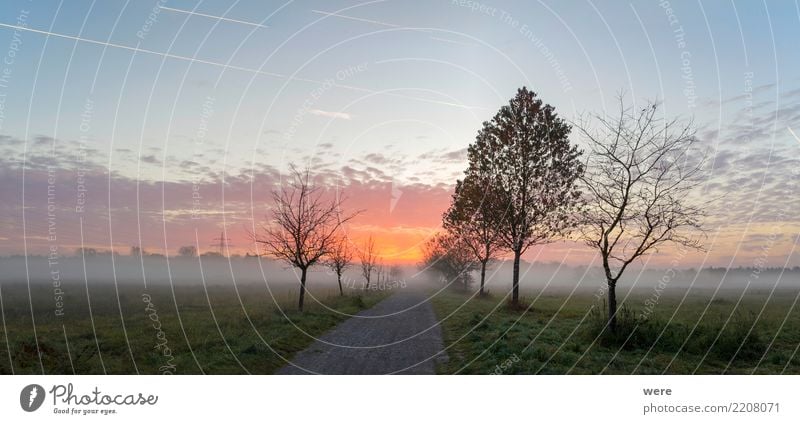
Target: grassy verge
(185,332)
(560,335)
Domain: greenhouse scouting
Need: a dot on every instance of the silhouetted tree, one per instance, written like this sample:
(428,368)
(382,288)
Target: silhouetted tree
(187,251)
(448,255)
(87,252)
(475,218)
(303,226)
(380,274)
(641,172)
(533,170)
(369,259)
(396,273)
(340,258)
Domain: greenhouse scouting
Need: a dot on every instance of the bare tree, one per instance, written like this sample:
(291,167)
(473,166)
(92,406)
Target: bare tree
(380,274)
(340,258)
(534,170)
(447,254)
(369,258)
(303,226)
(642,170)
(474,217)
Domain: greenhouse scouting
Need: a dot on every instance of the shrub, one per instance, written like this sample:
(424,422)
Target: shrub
(734,341)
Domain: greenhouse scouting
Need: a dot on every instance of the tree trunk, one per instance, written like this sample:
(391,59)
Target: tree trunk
(339,279)
(612,306)
(483,275)
(302,289)
(515,282)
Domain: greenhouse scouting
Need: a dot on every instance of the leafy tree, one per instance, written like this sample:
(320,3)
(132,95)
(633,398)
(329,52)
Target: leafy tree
(642,171)
(533,170)
(447,254)
(87,252)
(474,217)
(187,251)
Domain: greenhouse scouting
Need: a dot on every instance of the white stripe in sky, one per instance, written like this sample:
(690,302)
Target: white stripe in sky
(793,134)
(189,12)
(353,18)
(241,68)
(390,25)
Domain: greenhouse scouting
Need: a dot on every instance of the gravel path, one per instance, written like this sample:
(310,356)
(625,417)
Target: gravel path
(403,337)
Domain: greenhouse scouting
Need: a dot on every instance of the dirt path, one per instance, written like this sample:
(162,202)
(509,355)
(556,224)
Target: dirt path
(399,335)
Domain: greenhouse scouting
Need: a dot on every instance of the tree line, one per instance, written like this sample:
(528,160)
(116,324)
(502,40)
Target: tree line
(305,229)
(525,184)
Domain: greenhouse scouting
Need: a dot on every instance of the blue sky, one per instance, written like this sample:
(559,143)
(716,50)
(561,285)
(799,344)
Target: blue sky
(412,81)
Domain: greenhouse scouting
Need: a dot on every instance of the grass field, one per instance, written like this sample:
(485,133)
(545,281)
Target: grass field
(213,333)
(560,334)
(225,332)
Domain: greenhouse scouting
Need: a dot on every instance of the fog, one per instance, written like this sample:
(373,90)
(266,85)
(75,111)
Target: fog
(535,277)
(555,278)
(153,270)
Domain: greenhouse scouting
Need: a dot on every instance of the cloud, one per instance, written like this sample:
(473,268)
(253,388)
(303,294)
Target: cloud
(456,156)
(752,183)
(332,115)
(163,215)
(151,159)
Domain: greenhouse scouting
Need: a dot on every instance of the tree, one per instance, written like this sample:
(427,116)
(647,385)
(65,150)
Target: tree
(369,259)
(447,254)
(380,274)
(533,169)
(639,184)
(340,258)
(187,251)
(396,273)
(87,252)
(304,225)
(474,218)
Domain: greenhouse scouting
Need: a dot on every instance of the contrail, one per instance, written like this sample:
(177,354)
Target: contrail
(353,18)
(188,12)
(793,134)
(242,68)
(390,25)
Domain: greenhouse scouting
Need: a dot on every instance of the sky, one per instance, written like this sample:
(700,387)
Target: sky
(166,123)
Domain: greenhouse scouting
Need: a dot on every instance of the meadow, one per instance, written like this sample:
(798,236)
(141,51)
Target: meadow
(564,333)
(558,327)
(187,329)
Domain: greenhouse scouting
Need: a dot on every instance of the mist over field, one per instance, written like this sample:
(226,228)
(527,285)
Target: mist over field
(374,188)
(265,272)
(151,270)
(552,277)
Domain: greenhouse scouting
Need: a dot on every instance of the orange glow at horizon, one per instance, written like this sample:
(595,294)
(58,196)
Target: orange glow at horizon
(402,245)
